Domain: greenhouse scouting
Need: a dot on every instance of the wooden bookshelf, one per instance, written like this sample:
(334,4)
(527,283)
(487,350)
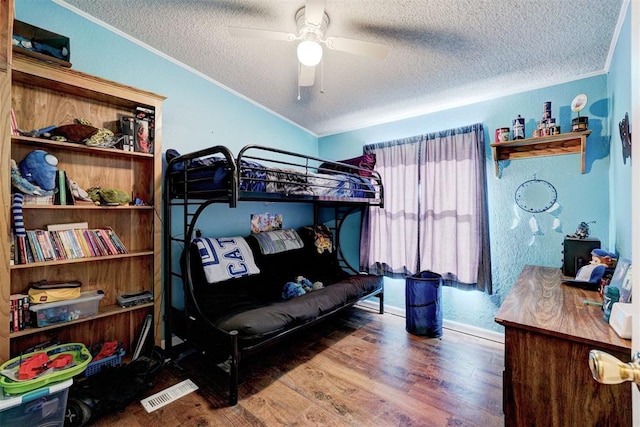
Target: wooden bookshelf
(43,94)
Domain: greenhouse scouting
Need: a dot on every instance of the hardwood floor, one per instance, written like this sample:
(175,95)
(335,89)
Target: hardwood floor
(360,369)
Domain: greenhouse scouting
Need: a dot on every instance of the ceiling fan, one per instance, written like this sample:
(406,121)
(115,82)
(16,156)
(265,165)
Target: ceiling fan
(312,22)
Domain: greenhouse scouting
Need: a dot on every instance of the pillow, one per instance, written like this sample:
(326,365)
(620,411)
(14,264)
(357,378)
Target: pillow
(276,241)
(366,161)
(225,258)
(204,169)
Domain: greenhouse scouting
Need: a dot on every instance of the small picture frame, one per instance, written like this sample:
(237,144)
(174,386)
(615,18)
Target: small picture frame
(622,279)
(265,222)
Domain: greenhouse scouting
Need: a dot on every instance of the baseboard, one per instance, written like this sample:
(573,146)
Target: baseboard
(446,324)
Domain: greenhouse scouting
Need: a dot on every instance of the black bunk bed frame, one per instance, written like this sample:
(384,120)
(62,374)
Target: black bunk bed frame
(190,203)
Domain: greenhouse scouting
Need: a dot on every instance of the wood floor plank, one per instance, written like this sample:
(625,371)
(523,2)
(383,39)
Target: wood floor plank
(361,369)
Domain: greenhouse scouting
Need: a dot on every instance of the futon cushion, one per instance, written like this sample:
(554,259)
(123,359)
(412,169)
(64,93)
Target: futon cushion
(269,319)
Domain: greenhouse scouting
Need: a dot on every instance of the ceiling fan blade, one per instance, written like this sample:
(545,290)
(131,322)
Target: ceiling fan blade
(307,75)
(261,34)
(358,47)
(314,11)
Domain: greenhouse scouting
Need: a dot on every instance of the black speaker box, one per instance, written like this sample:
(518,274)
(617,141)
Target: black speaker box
(577,252)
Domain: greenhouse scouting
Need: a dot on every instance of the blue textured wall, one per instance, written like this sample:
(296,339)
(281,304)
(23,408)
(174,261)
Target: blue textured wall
(620,175)
(583,197)
(601,195)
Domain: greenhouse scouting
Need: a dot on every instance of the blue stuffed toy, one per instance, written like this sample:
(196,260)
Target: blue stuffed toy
(301,286)
(39,168)
(292,290)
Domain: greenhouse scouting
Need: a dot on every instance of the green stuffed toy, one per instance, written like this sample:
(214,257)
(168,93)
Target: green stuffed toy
(108,196)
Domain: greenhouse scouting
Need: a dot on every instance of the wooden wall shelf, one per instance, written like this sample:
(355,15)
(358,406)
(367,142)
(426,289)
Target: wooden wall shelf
(566,143)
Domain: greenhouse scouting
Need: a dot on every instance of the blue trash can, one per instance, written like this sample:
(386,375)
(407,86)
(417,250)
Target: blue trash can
(424,304)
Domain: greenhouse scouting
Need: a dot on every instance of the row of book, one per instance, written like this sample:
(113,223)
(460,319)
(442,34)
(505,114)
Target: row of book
(70,243)
(19,315)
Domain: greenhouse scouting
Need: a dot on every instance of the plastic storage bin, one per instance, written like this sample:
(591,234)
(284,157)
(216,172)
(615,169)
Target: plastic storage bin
(80,358)
(112,361)
(424,304)
(51,313)
(38,408)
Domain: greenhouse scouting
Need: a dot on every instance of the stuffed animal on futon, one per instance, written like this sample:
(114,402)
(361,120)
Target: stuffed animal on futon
(307,285)
(301,286)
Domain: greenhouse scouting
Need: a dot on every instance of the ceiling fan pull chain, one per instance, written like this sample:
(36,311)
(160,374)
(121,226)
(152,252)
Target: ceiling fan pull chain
(299,67)
(322,76)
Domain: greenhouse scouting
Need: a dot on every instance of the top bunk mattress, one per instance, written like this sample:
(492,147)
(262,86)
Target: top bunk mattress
(214,173)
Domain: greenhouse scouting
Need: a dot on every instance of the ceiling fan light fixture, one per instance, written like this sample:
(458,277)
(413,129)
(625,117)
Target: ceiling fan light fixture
(309,53)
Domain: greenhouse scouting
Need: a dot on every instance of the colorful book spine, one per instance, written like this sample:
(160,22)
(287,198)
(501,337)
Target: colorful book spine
(21,251)
(107,241)
(32,238)
(43,246)
(19,316)
(73,242)
(84,246)
(65,244)
(116,241)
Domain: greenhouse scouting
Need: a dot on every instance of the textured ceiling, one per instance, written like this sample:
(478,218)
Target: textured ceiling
(442,53)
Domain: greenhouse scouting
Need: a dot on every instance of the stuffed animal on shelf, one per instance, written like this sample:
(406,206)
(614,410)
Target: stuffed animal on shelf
(39,168)
(24,186)
(108,196)
(82,130)
(78,193)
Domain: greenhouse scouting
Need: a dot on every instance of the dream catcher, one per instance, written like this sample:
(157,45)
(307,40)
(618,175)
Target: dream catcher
(536,196)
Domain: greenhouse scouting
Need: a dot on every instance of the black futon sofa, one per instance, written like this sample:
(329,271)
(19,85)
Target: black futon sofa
(235,317)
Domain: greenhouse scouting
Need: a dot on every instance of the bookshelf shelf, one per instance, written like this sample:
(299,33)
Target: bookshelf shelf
(81,260)
(106,311)
(47,143)
(89,206)
(42,94)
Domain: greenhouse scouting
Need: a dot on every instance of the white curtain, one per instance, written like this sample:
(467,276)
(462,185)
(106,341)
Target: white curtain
(392,246)
(434,215)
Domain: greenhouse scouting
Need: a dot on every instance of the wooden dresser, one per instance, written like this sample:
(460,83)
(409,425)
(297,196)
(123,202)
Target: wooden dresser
(548,334)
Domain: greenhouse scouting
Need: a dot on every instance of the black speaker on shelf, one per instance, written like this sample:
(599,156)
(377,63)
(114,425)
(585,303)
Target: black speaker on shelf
(577,252)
